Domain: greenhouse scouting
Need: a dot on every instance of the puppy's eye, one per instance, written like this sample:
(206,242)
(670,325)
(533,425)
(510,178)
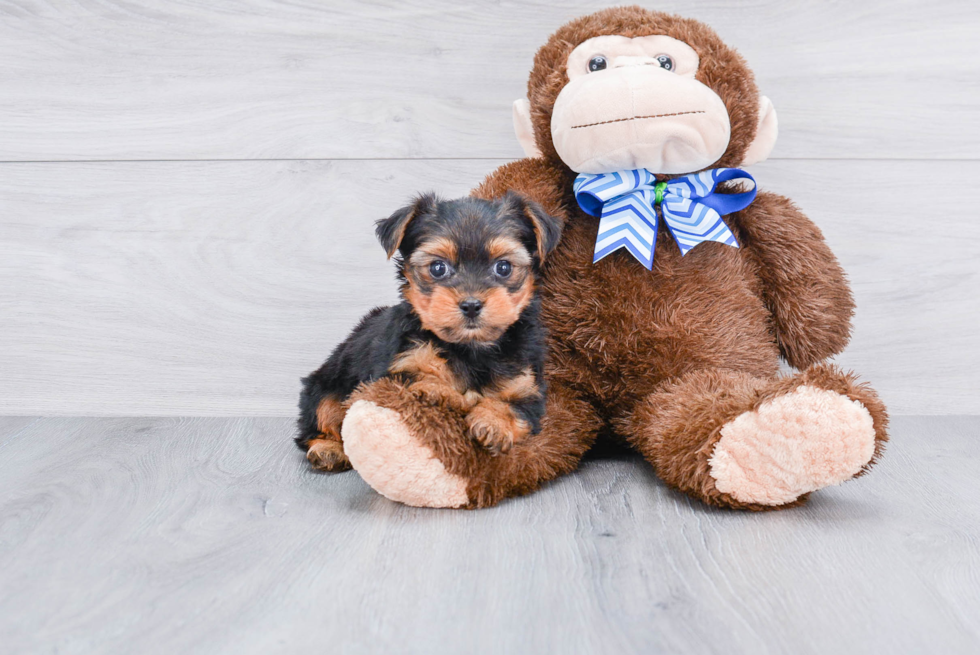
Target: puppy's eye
(438,269)
(666,62)
(502,268)
(597,63)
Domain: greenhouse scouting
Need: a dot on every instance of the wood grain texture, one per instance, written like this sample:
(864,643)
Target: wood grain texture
(212,536)
(128,79)
(210,288)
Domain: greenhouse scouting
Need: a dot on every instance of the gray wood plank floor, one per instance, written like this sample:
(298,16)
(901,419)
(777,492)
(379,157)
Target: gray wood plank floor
(168,535)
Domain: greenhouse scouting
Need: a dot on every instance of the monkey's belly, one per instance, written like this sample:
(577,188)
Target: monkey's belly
(621,329)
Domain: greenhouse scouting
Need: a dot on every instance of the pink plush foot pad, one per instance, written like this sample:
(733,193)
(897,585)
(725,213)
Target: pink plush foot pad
(383,450)
(792,445)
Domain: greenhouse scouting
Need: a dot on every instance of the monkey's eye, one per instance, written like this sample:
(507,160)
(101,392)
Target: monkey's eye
(666,62)
(438,269)
(597,63)
(502,268)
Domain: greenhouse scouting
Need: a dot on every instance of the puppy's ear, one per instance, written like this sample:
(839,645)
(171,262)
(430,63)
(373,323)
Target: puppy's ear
(547,228)
(390,231)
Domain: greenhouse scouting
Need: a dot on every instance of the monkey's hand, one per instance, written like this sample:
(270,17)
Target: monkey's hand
(804,286)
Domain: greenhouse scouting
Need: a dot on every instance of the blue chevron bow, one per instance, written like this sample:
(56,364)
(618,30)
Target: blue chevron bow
(627,203)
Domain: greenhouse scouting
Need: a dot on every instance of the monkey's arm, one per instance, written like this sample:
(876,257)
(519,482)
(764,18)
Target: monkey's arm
(803,284)
(534,178)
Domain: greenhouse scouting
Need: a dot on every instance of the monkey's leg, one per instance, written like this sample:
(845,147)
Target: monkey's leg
(420,453)
(738,441)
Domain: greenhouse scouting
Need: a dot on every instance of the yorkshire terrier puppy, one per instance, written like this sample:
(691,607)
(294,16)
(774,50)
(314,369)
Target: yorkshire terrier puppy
(467,333)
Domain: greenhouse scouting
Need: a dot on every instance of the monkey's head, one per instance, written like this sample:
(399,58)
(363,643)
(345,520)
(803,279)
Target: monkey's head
(631,88)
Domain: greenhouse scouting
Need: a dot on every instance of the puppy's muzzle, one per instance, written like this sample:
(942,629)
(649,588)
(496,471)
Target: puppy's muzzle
(471,307)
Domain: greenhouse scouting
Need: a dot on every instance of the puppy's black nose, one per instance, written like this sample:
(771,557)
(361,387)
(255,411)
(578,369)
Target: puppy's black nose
(471,307)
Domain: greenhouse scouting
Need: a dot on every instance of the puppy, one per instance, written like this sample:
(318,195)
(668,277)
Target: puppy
(467,333)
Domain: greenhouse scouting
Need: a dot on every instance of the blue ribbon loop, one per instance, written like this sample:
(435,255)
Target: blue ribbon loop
(626,203)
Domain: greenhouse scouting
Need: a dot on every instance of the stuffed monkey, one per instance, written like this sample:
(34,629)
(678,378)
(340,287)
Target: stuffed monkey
(673,293)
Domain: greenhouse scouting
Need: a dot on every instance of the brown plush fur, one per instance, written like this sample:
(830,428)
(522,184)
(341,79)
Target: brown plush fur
(663,357)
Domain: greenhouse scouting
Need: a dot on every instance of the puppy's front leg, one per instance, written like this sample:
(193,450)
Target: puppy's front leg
(501,418)
(326,451)
(433,378)
(495,426)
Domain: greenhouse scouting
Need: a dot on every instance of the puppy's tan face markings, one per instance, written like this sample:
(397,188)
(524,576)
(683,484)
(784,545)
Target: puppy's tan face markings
(508,249)
(441,275)
(438,248)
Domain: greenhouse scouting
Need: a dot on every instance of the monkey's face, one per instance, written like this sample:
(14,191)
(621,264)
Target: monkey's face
(635,103)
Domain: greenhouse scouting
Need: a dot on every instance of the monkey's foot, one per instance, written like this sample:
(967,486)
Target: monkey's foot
(793,444)
(394,462)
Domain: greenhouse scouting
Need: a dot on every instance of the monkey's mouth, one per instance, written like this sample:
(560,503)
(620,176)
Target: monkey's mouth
(636,118)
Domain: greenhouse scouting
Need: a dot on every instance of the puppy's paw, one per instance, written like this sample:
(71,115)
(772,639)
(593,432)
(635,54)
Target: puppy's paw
(439,393)
(493,425)
(327,455)
(471,399)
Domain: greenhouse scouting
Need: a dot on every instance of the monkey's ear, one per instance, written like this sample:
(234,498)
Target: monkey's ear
(524,128)
(765,134)
(547,228)
(390,231)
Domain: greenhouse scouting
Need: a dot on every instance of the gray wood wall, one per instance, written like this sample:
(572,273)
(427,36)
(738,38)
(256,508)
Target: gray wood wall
(187,188)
